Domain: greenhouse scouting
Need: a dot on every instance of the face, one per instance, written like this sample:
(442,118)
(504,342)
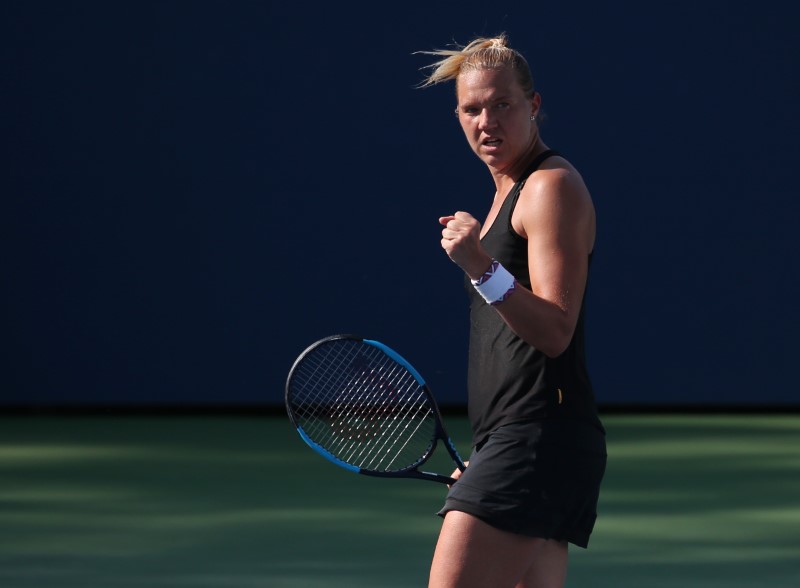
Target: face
(495,115)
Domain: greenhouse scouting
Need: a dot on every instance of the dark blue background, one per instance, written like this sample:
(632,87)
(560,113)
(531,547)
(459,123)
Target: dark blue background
(193,192)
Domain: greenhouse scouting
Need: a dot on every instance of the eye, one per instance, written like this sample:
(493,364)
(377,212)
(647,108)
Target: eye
(502,105)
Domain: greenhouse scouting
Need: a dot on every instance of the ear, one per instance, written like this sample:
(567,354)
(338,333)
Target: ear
(536,103)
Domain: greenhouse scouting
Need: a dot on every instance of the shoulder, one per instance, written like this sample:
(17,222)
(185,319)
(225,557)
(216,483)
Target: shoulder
(557,181)
(554,194)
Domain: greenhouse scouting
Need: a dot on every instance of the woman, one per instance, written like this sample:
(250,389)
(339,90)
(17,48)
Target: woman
(533,479)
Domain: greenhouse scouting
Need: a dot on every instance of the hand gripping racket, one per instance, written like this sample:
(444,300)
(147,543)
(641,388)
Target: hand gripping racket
(360,405)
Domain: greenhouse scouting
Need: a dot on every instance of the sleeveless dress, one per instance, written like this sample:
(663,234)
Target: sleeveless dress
(539,446)
(508,380)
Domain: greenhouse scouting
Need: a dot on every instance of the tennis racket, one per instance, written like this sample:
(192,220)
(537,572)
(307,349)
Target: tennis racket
(362,406)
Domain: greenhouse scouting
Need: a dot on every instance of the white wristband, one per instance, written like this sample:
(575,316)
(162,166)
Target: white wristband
(496,284)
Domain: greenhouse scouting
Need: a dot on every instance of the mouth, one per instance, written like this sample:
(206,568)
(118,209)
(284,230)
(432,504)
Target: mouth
(491,142)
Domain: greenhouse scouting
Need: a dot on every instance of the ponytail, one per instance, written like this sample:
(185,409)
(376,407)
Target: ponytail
(481,53)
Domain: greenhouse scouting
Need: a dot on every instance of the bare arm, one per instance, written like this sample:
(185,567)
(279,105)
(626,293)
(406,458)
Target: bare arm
(555,214)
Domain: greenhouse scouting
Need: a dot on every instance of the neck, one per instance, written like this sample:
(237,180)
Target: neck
(508,176)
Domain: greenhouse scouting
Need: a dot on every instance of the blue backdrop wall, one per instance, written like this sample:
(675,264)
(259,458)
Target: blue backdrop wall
(192,192)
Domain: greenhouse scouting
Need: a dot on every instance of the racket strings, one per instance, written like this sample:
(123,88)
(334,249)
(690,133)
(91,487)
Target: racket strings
(360,402)
(401,430)
(363,407)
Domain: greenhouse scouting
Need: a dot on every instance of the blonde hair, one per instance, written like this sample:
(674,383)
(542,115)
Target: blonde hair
(482,53)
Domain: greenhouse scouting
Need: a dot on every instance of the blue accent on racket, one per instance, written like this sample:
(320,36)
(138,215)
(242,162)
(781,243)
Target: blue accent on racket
(397,357)
(324,453)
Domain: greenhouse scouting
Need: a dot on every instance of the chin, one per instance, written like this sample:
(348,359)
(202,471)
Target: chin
(492,160)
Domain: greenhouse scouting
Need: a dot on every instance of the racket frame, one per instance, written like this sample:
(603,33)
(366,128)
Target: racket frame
(411,471)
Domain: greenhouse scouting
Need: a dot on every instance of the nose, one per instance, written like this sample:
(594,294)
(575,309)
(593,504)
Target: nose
(486,120)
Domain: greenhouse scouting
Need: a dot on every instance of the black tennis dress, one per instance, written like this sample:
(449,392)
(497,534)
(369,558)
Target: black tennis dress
(539,446)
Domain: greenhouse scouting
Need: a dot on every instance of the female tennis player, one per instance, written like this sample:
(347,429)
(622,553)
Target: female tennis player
(533,479)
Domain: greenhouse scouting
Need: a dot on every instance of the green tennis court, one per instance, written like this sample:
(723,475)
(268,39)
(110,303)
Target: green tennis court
(230,502)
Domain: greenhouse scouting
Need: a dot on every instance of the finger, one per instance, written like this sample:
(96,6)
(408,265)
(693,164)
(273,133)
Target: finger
(450,232)
(457,472)
(443,220)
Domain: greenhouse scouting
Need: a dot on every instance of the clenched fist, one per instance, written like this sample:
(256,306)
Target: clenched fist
(461,240)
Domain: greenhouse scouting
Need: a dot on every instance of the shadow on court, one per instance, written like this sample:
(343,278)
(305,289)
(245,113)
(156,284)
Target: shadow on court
(706,501)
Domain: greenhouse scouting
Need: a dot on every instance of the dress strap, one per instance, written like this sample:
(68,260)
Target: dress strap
(537,162)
